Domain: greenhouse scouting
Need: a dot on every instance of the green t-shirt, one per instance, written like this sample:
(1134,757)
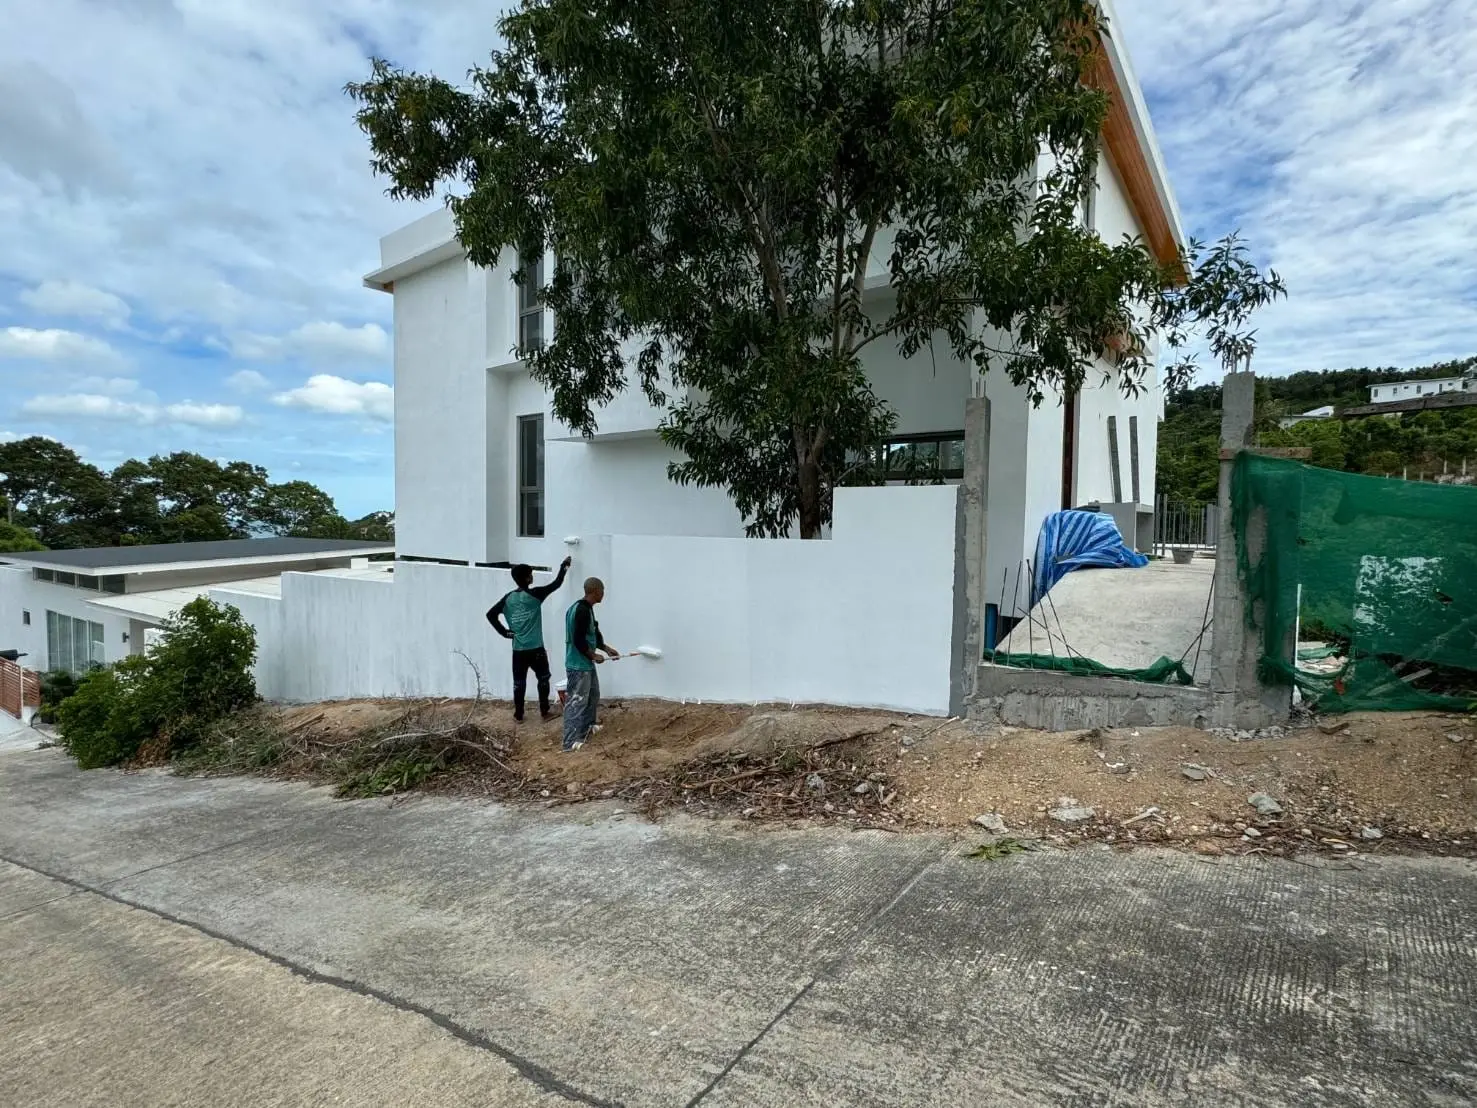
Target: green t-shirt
(524,613)
(573,659)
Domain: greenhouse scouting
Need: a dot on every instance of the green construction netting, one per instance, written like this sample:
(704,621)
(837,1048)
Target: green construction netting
(1161,672)
(1387,571)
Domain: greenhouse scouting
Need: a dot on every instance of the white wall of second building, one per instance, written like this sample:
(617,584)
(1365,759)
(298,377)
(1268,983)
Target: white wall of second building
(20,594)
(738,620)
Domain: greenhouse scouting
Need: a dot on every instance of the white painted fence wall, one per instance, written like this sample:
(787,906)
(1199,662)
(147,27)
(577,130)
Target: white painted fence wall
(861,619)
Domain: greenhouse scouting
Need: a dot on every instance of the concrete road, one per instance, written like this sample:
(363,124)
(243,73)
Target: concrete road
(223,942)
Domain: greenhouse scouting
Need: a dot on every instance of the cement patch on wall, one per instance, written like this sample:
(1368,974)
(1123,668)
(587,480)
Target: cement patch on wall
(1061,702)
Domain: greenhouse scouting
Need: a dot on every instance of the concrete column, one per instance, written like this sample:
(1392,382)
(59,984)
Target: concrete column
(970,591)
(1241,700)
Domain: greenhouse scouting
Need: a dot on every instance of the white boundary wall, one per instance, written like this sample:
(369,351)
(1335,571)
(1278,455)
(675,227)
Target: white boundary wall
(863,619)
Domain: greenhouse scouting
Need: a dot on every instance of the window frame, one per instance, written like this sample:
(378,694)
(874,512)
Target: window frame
(883,451)
(82,636)
(529,492)
(530,304)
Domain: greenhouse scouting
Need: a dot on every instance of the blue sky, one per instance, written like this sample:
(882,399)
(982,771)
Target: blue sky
(186,208)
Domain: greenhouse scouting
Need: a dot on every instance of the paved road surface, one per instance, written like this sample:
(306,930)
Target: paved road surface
(238,942)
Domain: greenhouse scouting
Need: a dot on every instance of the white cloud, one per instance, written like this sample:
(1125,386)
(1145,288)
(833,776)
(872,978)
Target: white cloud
(202,415)
(110,386)
(316,342)
(248,380)
(54,345)
(339,396)
(1335,138)
(94,406)
(69,298)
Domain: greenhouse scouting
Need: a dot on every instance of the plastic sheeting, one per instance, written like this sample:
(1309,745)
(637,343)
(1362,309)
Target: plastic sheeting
(1078,540)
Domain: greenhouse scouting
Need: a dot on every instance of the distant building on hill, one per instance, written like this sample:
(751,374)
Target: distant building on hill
(1325,412)
(1391,391)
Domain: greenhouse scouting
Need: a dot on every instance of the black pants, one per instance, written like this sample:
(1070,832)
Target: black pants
(538,661)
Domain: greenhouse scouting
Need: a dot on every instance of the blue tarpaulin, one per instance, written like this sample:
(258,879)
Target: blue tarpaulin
(1077,540)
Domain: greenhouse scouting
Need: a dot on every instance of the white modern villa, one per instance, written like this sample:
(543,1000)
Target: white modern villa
(486,477)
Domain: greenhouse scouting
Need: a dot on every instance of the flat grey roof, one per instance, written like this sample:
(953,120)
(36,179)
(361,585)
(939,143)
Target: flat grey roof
(115,559)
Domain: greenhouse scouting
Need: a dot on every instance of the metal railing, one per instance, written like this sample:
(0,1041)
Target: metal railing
(1177,523)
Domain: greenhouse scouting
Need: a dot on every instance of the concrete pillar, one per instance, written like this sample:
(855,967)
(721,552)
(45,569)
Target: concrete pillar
(1241,700)
(970,591)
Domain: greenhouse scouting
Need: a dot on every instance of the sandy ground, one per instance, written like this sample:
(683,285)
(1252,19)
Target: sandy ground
(1410,777)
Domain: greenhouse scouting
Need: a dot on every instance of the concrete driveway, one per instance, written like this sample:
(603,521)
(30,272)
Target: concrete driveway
(250,943)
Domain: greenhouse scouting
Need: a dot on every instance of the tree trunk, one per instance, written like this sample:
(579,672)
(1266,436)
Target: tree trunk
(810,499)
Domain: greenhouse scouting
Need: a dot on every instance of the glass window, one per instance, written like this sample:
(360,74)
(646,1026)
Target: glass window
(44,575)
(112,584)
(530,307)
(924,458)
(531,476)
(66,578)
(73,644)
(86,582)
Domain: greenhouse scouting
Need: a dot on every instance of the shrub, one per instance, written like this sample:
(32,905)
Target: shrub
(56,686)
(97,724)
(197,674)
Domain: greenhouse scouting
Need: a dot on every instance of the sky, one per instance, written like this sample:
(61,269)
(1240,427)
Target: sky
(187,210)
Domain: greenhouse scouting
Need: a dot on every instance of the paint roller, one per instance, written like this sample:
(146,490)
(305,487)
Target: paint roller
(643,651)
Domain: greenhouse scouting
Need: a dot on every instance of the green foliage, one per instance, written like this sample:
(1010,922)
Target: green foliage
(716,180)
(17,540)
(62,502)
(396,775)
(1000,848)
(56,686)
(1428,443)
(61,499)
(199,673)
(98,724)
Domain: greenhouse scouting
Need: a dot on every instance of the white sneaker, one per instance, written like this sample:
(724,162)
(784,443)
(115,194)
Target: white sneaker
(572,747)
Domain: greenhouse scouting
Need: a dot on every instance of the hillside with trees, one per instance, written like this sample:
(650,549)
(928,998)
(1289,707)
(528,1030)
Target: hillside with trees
(1417,443)
(51,499)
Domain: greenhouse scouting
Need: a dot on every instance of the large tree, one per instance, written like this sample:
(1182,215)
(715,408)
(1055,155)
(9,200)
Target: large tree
(713,179)
(56,499)
(55,495)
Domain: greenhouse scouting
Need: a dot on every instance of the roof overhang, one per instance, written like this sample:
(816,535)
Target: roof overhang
(33,562)
(1128,136)
(383,279)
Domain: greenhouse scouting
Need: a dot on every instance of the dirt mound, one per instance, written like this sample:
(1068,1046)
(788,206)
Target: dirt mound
(1366,782)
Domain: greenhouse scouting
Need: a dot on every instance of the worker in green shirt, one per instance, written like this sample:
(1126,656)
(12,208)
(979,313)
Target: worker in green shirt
(523,608)
(583,646)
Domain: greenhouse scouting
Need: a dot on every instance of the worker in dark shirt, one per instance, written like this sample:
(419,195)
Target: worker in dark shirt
(523,608)
(583,646)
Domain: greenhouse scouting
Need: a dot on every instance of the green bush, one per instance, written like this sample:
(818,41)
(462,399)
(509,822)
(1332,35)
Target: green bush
(97,724)
(199,673)
(56,686)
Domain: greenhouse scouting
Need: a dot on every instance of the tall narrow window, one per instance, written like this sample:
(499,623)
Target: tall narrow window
(531,476)
(1133,454)
(530,307)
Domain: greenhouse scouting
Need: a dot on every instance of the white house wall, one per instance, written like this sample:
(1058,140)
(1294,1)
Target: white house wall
(20,592)
(441,414)
(864,619)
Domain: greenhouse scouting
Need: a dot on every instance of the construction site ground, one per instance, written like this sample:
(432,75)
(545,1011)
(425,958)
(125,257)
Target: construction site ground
(1347,785)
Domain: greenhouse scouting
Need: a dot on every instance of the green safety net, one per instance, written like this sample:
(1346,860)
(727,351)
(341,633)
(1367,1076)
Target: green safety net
(1388,574)
(1161,672)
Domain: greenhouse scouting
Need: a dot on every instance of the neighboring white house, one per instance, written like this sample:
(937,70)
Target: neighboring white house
(72,609)
(485,477)
(1325,412)
(1392,391)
